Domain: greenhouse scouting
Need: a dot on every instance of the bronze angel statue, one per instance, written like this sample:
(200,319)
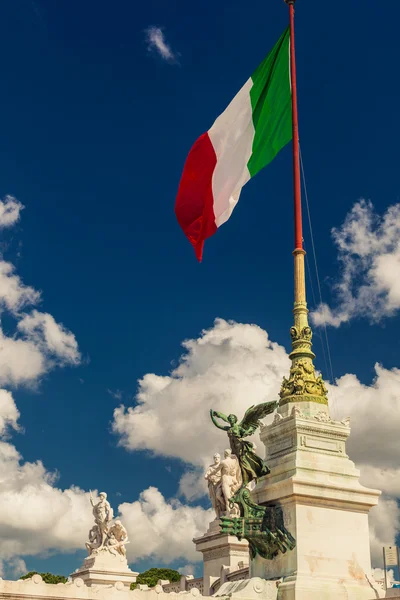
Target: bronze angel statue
(251,465)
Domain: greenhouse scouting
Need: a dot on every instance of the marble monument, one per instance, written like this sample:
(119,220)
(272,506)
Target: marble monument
(106,562)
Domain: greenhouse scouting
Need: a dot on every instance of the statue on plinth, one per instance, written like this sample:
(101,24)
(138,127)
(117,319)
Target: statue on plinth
(224,479)
(262,526)
(104,536)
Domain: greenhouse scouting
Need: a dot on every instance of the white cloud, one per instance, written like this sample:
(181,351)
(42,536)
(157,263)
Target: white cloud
(237,363)
(384,523)
(117,395)
(379,575)
(38,343)
(374,411)
(232,366)
(156,41)
(50,337)
(10,209)
(374,445)
(369,255)
(21,361)
(34,514)
(192,485)
(14,295)
(9,413)
(15,567)
(37,517)
(163,530)
(186,570)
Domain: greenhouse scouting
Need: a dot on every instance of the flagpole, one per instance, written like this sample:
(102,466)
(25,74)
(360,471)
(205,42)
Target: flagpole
(298,238)
(303,386)
(299,274)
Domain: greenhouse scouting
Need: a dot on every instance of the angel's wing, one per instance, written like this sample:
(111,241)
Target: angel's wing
(250,421)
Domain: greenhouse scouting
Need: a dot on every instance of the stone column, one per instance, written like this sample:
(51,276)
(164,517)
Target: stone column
(219,550)
(325,509)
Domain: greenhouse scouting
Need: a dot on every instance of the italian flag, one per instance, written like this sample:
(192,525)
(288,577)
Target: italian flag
(243,140)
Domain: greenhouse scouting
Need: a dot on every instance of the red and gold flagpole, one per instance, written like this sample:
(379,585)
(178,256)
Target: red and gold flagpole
(299,273)
(302,386)
(298,233)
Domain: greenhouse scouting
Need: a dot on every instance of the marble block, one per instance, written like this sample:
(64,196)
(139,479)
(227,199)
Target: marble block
(219,550)
(249,589)
(105,569)
(325,509)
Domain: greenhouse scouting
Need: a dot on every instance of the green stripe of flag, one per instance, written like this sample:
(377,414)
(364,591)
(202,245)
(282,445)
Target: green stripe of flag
(271,103)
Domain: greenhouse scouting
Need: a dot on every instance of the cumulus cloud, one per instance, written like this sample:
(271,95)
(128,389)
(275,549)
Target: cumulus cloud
(186,570)
(192,485)
(156,42)
(9,413)
(374,445)
(36,516)
(38,343)
(369,256)
(373,410)
(163,530)
(10,209)
(379,575)
(14,295)
(50,337)
(228,368)
(232,366)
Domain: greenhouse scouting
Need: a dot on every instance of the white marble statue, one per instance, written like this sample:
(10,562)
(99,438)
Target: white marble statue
(105,536)
(102,513)
(228,479)
(231,479)
(213,477)
(120,534)
(94,539)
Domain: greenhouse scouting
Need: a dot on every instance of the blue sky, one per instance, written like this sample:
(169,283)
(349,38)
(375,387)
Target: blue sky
(95,127)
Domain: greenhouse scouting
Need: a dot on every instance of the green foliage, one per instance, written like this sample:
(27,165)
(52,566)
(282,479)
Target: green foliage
(151,577)
(47,577)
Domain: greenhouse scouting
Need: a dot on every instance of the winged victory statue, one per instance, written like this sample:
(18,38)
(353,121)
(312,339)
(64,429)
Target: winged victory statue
(251,465)
(262,526)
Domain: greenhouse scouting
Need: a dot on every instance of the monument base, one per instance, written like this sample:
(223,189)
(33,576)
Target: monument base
(250,589)
(303,587)
(105,569)
(324,506)
(220,551)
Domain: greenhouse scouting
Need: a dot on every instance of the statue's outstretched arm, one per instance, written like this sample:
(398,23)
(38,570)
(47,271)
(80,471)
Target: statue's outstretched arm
(213,414)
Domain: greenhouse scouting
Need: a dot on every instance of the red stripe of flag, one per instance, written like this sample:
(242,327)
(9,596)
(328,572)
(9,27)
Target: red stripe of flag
(194,202)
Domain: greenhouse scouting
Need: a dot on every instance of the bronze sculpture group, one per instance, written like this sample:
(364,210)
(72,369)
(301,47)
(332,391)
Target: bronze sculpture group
(262,526)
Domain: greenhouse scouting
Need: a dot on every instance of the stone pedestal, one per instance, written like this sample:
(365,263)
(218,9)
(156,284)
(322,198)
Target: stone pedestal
(220,550)
(105,569)
(325,508)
